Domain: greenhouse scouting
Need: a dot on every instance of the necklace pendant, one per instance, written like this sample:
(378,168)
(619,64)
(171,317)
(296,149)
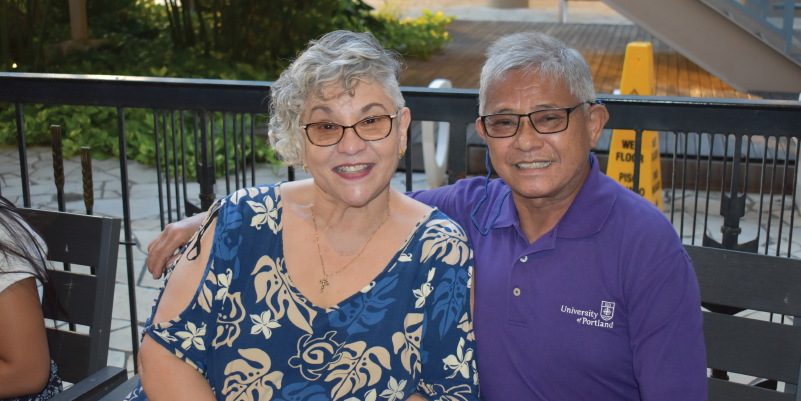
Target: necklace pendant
(323,283)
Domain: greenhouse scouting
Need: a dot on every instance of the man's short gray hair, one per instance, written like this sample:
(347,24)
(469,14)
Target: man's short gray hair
(341,57)
(537,52)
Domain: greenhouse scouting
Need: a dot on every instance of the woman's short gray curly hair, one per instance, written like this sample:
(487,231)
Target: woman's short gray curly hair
(537,52)
(343,57)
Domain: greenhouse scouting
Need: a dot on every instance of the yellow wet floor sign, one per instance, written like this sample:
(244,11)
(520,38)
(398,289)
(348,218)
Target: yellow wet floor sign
(638,79)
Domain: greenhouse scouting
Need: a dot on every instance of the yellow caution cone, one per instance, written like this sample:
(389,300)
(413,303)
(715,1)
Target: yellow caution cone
(638,78)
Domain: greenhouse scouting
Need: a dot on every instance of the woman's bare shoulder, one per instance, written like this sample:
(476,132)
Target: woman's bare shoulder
(410,208)
(297,192)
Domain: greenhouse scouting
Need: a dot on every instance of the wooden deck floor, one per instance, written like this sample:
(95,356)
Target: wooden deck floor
(603,46)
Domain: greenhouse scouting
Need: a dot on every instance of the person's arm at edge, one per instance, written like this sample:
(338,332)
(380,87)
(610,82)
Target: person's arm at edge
(164,376)
(24,356)
(161,252)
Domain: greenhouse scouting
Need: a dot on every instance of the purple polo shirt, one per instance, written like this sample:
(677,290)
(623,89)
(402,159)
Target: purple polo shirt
(605,306)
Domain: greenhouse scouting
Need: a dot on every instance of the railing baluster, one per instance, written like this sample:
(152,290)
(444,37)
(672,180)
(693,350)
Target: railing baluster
(795,190)
(673,176)
(772,185)
(244,148)
(183,160)
(175,168)
(158,166)
(206,172)
(126,216)
(784,189)
(252,150)
(762,191)
(167,165)
(749,140)
(697,137)
(683,185)
(225,143)
(236,155)
(409,159)
(637,159)
(23,155)
(708,182)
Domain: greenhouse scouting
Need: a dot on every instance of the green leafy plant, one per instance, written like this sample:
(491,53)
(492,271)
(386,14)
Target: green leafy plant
(418,38)
(219,39)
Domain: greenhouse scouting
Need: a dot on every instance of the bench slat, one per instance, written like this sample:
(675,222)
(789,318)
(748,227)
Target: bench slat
(69,350)
(77,235)
(76,293)
(721,390)
(748,281)
(752,347)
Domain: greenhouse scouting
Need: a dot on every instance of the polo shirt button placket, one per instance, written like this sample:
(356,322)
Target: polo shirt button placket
(516,292)
(524,259)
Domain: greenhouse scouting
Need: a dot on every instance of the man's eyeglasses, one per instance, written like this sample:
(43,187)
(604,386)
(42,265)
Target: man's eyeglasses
(548,121)
(370,129)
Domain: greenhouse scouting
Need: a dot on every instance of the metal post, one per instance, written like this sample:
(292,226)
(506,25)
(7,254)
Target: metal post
(158,165)
(58,177)
(409,158)
(88,185)
(205,169)
(58,165)
(23,156)
(175,169)
(126,215)
(637,157)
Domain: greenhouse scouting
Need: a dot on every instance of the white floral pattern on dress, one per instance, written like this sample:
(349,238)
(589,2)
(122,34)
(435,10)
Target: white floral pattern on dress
(460,363)
(193,336)
(263,324)
(395,390)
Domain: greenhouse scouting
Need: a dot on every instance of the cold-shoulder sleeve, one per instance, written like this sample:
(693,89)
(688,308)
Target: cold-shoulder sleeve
(448,342)
(188,336)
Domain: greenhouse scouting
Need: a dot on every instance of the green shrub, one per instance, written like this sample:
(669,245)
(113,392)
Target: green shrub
(418,38)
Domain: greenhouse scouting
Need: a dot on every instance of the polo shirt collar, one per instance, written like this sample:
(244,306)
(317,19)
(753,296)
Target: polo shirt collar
(588,212)
(585,216)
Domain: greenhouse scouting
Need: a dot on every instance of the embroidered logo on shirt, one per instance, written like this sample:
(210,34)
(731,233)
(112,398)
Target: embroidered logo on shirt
(607,310)
(590,317)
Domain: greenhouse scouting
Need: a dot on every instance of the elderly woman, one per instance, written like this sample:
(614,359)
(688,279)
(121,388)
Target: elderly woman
(333,288)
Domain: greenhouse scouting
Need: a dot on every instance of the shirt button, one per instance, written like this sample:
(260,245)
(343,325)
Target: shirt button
(524,259)
(516,292)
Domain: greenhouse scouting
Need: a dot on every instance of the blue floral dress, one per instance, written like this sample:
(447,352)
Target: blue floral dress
(255,337)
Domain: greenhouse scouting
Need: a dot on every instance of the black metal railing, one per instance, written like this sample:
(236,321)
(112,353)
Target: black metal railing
(740,148)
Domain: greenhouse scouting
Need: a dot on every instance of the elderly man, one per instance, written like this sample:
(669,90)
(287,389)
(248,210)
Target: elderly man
(583,289)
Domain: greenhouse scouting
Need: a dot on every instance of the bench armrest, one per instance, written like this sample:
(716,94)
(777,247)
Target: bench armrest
(95,386)
(119,393)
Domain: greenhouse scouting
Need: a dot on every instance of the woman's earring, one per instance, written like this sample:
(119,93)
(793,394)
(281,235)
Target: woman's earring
(304,169)
(402,152)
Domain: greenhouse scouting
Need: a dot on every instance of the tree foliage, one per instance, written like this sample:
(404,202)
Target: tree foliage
(218,39)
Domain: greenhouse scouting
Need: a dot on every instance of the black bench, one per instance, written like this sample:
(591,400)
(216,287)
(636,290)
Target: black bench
(86,299)
(743,345)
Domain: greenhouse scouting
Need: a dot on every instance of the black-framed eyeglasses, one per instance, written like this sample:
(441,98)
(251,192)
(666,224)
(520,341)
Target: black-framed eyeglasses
(548,121)
(370,129)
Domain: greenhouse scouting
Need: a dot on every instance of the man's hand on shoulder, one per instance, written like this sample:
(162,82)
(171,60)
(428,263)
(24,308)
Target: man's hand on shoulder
(165,248)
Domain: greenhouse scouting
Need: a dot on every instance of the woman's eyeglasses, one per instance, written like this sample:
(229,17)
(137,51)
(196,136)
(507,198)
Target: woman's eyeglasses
(370,129)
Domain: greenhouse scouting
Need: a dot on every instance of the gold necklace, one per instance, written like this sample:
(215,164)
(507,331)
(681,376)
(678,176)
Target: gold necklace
(324,281)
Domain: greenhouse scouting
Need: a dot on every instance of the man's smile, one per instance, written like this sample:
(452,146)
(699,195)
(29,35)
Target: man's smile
(533,165)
